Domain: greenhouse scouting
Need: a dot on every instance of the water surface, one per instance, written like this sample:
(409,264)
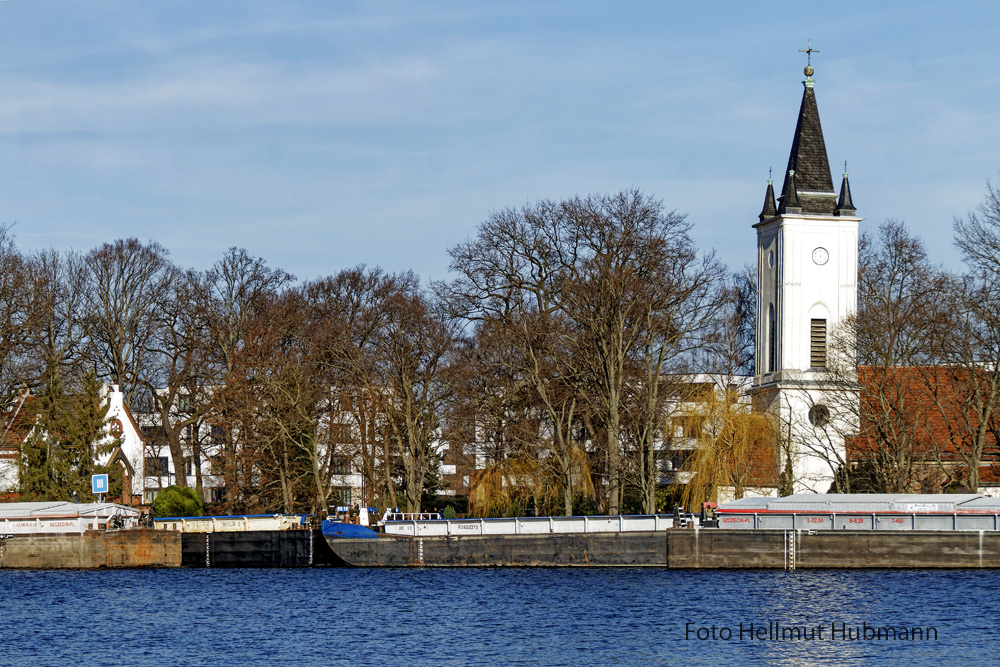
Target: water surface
(412,617)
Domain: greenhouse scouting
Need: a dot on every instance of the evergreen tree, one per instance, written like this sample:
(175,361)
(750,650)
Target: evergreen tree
(60,455)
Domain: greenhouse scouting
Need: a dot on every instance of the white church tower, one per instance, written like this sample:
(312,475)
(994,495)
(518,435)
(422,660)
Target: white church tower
(807,267)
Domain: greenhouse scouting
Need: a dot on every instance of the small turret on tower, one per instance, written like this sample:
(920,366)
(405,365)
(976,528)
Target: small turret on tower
(845,206)
(790,196)
(770,208)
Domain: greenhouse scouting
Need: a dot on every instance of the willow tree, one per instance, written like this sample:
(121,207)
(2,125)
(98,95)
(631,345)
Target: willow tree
(734,447)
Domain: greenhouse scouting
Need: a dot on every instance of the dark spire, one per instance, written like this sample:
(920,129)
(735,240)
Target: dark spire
(790,195)
(770,209)
(844,205)
(813,184)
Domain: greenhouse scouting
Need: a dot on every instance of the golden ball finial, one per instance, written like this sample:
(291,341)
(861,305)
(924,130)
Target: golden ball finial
(809,70)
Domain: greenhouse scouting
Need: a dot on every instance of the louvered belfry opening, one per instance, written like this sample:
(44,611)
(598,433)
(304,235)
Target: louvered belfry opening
(817,348)
(772,340)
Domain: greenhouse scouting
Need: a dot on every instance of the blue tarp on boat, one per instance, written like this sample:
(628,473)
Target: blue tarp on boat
(341,529)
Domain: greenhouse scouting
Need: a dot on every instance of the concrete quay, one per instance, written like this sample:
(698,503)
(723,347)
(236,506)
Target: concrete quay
(97,549)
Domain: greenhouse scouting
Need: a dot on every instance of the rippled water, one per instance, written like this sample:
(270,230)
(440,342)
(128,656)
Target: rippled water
(491,616)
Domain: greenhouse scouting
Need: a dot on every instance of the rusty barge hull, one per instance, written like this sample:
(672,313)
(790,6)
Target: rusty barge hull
(682,549)
(91,550)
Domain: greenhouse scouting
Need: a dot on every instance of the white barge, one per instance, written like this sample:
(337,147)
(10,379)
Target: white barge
(864,511)
(233,524)
(58,517)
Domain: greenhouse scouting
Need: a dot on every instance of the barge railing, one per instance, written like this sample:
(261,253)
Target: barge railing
(896,521)
(531,525)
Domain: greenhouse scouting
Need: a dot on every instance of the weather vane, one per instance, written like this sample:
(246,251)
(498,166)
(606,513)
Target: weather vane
(809,51)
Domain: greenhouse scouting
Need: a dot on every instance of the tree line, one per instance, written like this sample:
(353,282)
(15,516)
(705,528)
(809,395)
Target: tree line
(555,359)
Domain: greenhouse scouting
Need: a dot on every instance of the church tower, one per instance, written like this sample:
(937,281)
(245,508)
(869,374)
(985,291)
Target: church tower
(807,267)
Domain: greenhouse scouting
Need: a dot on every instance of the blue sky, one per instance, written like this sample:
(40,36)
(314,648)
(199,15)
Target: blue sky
(322,135)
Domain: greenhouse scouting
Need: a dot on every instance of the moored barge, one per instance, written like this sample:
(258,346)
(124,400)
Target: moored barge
(857,530)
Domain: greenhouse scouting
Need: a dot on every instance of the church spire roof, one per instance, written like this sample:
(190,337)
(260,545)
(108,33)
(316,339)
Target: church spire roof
(770,209)
(807,178)
(844,205)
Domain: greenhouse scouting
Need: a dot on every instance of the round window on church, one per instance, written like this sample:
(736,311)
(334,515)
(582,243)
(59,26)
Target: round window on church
(819,416)
(116,427)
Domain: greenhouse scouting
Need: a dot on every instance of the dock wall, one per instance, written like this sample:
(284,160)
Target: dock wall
(92,550)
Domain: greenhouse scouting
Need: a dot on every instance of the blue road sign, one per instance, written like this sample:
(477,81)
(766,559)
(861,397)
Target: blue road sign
(99,483)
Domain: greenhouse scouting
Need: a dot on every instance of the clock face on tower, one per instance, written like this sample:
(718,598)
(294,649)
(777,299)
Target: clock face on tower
(821,256)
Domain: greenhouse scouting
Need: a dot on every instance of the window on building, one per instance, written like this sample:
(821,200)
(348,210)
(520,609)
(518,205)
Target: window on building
(341,433)
(340,496)
(341,465)
(819,415)
(157,466)
(817,344)
(216,465)
(694,427)
(687,427)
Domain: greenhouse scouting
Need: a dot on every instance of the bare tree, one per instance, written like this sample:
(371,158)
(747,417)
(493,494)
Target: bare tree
(19,318)
(236,289)
(639,293)
(893,337)
(968,384)
(508,287)
(411,351)
(58,292)
(181,375)
(126,281)
(350,310)
(633,292)
(283,398)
